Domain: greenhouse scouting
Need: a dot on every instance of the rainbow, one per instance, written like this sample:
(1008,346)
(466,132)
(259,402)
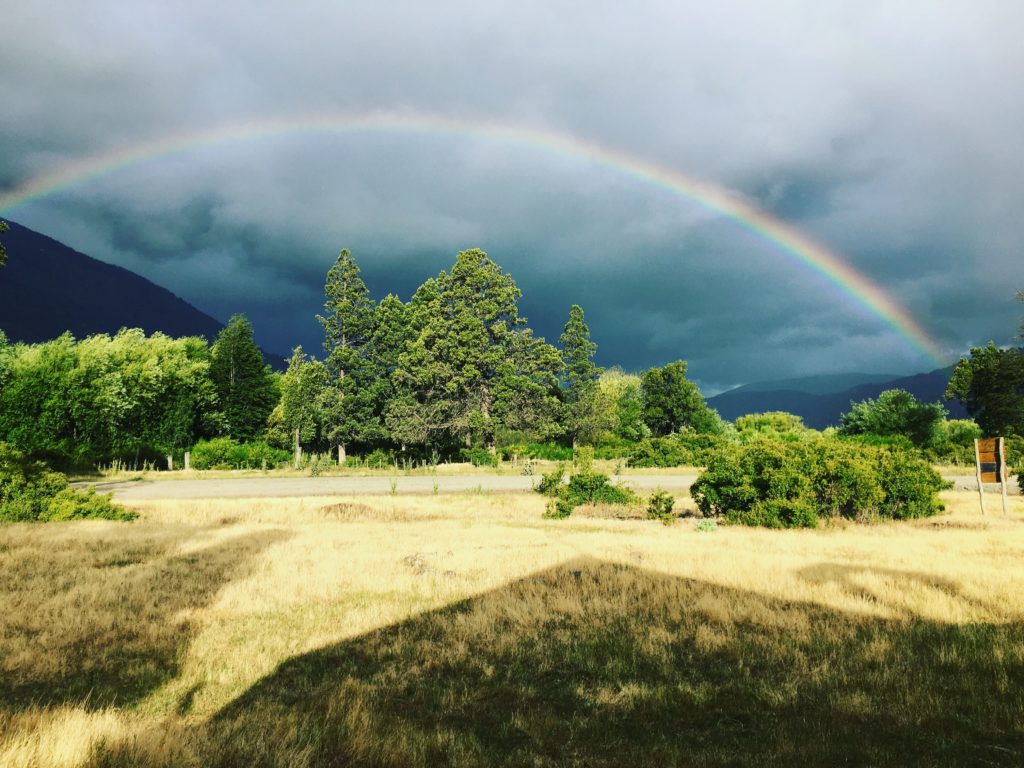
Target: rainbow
(785,238)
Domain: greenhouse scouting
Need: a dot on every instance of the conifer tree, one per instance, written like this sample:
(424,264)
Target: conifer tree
(580,376)
(346,403)
(473,368)
(245,386)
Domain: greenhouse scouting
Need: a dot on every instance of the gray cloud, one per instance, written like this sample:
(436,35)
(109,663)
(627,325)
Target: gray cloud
(889,133)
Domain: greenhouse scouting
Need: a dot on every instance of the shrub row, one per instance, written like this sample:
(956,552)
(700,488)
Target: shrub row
(29,492)
(782,484)
(225,453)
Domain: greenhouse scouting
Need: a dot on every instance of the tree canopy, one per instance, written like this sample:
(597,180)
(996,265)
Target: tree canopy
(246,388)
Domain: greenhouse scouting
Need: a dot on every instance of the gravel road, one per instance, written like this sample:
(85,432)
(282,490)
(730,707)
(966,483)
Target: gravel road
(292,487)
(261,487)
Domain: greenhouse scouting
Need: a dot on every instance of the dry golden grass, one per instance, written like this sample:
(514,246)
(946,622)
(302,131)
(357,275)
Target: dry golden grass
(467,630)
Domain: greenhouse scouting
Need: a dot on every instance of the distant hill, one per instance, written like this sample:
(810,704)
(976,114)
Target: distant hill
(811,399)
(824,384)
(48,288)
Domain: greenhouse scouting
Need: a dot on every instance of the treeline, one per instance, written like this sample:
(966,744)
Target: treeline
(455,373)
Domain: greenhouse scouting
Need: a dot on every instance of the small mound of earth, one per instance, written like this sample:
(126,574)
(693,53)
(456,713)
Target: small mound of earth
(347,511)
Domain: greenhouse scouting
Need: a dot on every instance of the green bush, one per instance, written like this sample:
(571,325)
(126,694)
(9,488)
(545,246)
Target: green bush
(543,451)
(480,457)
(379,459)
(583,488)
(29,492)
(658,452)
(660,506)
(552,482)
(225,453)
(776,483)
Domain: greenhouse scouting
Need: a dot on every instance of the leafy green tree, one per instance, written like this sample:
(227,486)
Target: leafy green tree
(990,385)
(620,403)
(299,413)
(3,251)
(347,403)
(246,388)
(895,412)
(671,402)
(474,369)
(130,397)
(580,376)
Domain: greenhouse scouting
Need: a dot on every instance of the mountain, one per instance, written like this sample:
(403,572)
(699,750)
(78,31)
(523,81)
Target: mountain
(824,384)
(820,408)
(48,288)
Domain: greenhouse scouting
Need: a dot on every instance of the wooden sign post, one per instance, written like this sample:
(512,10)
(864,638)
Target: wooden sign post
(990,460)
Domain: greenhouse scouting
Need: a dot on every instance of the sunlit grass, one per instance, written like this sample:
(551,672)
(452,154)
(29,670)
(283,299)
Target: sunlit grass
(466,629)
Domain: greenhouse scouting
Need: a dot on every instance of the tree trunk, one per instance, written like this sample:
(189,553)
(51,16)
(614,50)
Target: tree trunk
(298,449)
(341,454)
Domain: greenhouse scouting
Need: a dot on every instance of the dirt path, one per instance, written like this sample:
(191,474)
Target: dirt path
(259,487)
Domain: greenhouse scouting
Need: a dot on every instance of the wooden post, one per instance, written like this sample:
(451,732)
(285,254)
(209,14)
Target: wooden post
(188,459)
(977,467)
(1002,471)
(170,463)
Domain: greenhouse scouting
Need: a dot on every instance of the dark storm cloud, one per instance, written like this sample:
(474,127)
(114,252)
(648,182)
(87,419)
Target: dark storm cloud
(890,133)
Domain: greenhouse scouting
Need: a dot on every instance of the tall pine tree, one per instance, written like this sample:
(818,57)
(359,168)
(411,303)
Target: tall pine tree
(246,388)
(580,376)
(347,403)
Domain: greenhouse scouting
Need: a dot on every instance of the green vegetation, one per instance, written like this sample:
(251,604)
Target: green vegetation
(226,453)
(3,251)
(990,384)
(246,389)
(896,413)
(128,397)
(786,484)
(29,492)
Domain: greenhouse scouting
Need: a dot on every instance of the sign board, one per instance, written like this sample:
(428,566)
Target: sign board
(990,459)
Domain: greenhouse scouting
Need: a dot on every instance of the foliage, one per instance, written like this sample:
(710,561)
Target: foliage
(474,367)
(786,426)
(127,397)
(707,525)
(380,458)
(658,452)
(671,402)
(954,442)
(660,506)
(3,251)
(480,457)
(298,417)
(582,413)
(29,492)
(620,404)
(685,448)
(346,402)
(583,488)
(246,388)
(896,412)
(777,483)
(990,385)
(227,453)
(551,483)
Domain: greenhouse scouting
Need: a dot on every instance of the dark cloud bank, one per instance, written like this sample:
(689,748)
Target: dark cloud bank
(890,134)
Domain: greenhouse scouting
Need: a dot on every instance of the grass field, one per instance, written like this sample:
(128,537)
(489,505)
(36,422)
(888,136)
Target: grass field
(466,630)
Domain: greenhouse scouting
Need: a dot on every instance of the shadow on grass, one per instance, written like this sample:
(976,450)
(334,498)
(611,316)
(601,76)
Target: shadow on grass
(129,634)
(592,663)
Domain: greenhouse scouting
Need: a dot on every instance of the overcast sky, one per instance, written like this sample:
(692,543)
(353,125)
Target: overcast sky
(891,133)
